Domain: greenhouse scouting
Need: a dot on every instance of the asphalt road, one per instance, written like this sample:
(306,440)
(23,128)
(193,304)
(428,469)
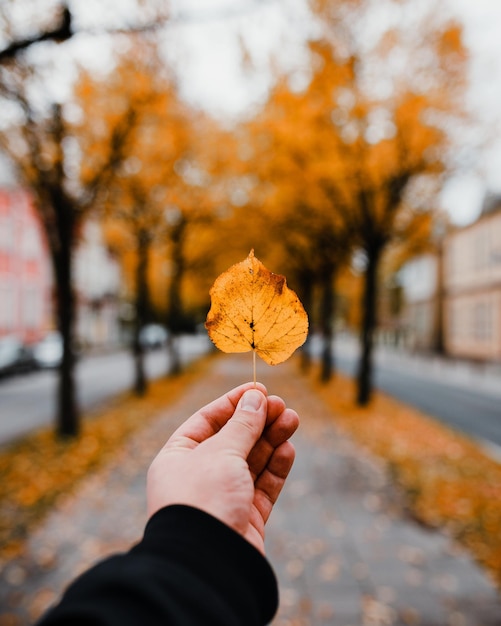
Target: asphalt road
(463,406)
(28,401)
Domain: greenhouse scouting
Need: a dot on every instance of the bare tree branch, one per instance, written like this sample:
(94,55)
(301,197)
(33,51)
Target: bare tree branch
(61,33)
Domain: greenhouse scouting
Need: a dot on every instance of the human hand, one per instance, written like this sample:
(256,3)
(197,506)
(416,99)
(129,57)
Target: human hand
(230,459)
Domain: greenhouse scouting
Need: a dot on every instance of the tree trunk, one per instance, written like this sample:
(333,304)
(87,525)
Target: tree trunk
(369,304)
(67,419)
(305,284)
(175,305)
(174,357)
(142,305)
(326,323)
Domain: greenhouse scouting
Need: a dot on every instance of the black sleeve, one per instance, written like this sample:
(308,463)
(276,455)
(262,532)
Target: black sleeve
(189,569)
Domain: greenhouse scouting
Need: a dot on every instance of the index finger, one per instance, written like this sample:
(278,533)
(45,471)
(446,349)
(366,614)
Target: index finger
(209,420)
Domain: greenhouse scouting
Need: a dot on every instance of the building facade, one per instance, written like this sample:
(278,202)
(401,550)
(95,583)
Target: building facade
(472,283)
(453,296)
(26,282)
(419,280)
(97,285)
(25,277)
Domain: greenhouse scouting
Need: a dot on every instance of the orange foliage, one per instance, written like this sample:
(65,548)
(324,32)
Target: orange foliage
(336,155)
(168,182)
(39,469)
(317,171)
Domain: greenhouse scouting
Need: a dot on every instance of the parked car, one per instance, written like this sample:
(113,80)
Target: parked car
(15,357)
(48,352)
(153,336)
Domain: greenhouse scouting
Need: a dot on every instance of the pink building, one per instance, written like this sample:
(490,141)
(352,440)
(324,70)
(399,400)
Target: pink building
(26,305)
(25,281)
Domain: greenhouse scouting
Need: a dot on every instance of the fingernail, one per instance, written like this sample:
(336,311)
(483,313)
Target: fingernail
(251,400)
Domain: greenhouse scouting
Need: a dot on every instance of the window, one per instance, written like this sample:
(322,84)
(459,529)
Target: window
(482,321)
(452,322)
(482,252)
(449,258)
(32,311)
(7,306)
(30,243)
(422,319)
(456,319)
(7,240)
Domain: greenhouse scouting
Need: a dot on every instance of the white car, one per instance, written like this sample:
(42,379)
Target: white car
(15,357)
(49,351)
(153,336)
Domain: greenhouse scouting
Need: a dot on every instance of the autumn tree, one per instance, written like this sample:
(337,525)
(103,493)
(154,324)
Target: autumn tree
(203,237)
(314,251)
(194,201)
(41,141)
(368,133)
(393,122)
(293,153)
(135,204)
(164,189)
(39,132)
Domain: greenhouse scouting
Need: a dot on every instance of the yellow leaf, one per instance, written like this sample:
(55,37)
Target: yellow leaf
(253,309)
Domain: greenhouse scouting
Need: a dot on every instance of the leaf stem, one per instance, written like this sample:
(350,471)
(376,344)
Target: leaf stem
(254,366)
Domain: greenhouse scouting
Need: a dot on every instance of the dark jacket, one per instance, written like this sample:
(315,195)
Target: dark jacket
(189,569)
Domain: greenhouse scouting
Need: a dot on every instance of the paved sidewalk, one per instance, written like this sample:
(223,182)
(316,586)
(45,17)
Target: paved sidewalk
(344,549)
(482,377)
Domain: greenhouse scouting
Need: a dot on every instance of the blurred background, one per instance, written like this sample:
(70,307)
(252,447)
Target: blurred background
(146,146)
(355,145)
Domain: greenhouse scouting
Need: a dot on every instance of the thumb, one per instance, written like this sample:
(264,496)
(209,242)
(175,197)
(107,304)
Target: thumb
(246,425)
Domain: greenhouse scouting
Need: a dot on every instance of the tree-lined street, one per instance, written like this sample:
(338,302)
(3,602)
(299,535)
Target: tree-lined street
(172,188)
(28,402)
(334,178)
(466,400)
(340,539)
(433,386)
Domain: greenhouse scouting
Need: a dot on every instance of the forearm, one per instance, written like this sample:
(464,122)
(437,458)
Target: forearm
(189,569)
